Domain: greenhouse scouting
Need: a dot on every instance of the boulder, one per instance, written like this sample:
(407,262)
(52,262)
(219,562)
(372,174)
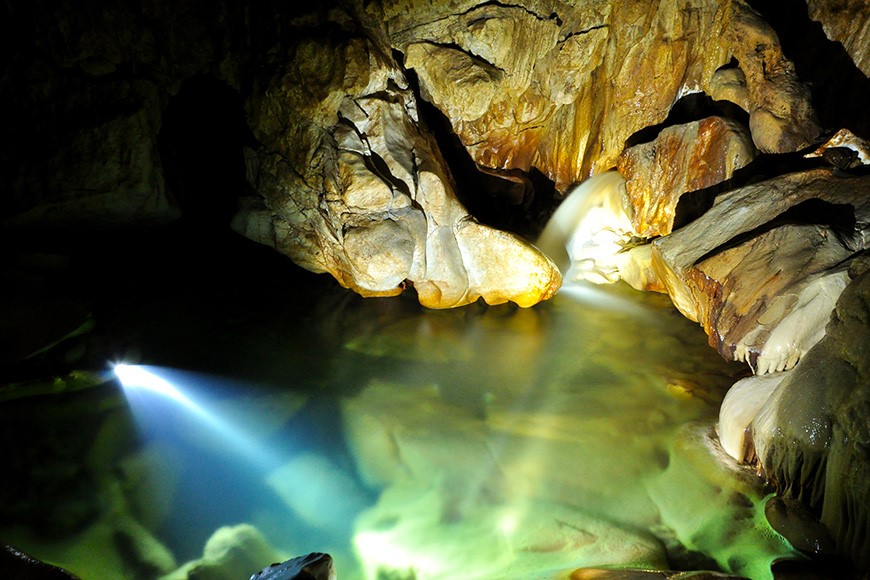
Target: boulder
(681,159)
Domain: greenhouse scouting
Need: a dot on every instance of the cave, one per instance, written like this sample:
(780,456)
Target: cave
(411,290)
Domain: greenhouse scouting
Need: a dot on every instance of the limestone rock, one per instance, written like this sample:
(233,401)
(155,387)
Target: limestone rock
(740,406)
(812,438)
(681,159)
(557,87)
(562,87)
(742,544)
(729,84)
(796,522)
(763,291)
(846,22)
(781,116)
(106,171)
(87,86)
(844,150)
(358,188)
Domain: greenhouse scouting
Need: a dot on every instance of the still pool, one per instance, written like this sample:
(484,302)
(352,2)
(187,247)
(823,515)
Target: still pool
(482,442)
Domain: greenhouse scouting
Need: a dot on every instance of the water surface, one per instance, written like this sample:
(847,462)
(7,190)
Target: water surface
(482,442)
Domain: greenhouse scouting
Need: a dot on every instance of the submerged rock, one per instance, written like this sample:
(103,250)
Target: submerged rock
(232,552)
(719,510)
(617,574)
(318,492)
(314,566)
(407,535)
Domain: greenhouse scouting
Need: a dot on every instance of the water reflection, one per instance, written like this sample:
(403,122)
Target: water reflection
(473,443)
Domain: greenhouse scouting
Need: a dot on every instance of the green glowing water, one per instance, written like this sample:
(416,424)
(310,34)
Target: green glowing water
(471,443)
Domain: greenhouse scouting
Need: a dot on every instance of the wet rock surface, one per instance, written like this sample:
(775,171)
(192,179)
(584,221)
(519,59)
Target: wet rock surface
(359,189)
(742,279)
(314,566)
(811,435)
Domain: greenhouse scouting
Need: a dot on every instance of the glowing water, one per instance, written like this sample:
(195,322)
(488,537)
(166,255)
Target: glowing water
(472,443)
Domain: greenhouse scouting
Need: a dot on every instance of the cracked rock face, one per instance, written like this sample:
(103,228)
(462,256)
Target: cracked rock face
(356,187)
(561,87)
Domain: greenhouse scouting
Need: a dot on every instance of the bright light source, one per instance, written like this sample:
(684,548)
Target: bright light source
(139,377)
(508,524)
(187,390)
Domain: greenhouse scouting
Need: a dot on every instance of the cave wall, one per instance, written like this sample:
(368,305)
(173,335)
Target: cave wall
(88,87)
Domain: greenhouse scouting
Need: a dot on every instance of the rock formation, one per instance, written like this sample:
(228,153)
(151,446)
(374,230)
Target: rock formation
(807,428)
(848,23)
(314,566)
(761,270)
(359,189)
(683,158)
(231,552)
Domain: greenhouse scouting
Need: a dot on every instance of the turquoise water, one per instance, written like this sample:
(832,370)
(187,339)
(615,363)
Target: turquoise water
(483,442)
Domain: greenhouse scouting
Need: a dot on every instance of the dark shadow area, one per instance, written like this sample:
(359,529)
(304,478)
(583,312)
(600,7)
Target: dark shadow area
(201,142)
(692,107)
(513,200)
(840,91)
(694,204)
